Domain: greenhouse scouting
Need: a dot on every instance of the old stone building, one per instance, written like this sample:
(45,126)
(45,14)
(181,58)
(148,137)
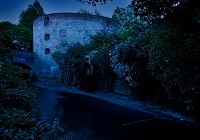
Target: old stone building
(59,31)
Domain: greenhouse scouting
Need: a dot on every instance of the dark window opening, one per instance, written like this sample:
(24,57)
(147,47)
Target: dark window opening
(46,37)
(108,23)
(47,51)
(46,21)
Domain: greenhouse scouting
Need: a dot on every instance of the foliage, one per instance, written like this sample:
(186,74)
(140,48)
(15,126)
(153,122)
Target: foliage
(28,16)
(88,66)
(9,33)
(105,38)
(175,64)
(93,2)
(19,111)
(124,62)
(125,18)
(24,32)
(129,62)
(172,46)
(128,59)
(6,29)
(154,10)
(97,13)
(103,42)
(128,24)
(58,57)
(16,98)
(73,66)
(23,37)
(84,11)
(184,12)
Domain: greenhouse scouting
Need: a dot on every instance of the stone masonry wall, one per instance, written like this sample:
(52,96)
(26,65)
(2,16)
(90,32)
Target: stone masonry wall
(58,32)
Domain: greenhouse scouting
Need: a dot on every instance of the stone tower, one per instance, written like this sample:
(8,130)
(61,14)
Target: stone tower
(59,31)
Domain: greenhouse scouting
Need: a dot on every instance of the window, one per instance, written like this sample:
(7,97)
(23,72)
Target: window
(108,23)
(47,51)
(46,21)
(46,37)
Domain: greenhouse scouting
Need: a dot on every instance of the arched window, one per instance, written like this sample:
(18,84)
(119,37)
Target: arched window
(46,21)
(47,51)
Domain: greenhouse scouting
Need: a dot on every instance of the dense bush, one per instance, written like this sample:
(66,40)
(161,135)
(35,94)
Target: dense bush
(88,66)
(74,67)
(157,57)
(174,62)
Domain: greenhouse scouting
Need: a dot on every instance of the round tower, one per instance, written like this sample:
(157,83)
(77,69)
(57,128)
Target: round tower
(59,31)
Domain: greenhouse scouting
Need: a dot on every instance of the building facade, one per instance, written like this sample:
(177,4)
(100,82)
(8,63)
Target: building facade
(59,31)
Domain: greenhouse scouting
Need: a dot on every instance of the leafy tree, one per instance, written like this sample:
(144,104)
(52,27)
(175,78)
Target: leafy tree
(153,10)
(73,67)
(102,43)
(125,17)
(128,59)
(88,66)
(97,13)
(24,32)
(5,31)
(165,10)
(84,11)
(172,48)
(5,26)
(128,24)
(93,2)
(28,16)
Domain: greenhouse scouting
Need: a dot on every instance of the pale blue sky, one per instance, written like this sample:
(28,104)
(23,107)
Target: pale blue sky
(11,9)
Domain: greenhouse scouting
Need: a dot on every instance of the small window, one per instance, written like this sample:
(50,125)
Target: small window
(46,21)
(47,51)
(46,37)
(108,23)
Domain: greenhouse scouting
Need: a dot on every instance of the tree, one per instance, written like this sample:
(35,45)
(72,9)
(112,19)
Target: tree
(171,11)
(154,9)
(6,29)
(173,49)
(128,23)
(24,32)
(84,11)
(28,16)
(93,2)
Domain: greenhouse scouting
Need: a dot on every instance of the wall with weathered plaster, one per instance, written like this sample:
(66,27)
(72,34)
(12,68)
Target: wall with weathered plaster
(59,31)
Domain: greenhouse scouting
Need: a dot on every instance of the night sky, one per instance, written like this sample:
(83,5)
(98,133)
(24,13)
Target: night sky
(11,9)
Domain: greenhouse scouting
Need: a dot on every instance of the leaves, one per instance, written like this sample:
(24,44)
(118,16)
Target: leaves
(93,2)
(24,32)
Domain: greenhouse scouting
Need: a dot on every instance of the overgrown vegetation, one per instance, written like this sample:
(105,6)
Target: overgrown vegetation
(88,66)
(85,11)
(21,34)
(155,52)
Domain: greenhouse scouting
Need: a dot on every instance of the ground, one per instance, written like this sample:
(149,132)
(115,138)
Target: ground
(122,100)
